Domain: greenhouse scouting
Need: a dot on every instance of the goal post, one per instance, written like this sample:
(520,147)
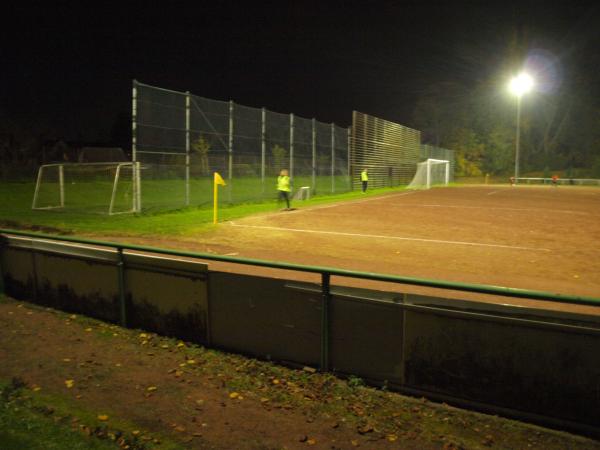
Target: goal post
(431,172)
(107,188)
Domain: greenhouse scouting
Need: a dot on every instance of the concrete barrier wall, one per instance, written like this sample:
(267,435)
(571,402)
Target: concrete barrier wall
(168,296)
(529,364)
(544,364)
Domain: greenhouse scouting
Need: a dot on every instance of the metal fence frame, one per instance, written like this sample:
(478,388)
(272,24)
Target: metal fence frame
(191,105)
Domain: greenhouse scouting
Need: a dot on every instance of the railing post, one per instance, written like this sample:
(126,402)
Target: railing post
(326,297)
(121,275)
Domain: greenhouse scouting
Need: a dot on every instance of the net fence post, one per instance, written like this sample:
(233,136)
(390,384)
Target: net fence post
(263,147)
(187,148)
(138,187)
(230,150)
(292,148)
(61,181)
(314,155)
(136,174)
(332,158)
(348,147)
(134,122)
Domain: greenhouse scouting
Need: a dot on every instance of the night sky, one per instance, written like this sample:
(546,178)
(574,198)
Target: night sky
(68,67)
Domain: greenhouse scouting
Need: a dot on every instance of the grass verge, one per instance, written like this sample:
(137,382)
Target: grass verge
(16,212)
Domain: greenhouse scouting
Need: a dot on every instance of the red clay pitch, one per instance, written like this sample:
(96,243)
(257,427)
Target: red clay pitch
(540,238)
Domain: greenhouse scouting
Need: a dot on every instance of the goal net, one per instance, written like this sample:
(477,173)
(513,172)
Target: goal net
(106,188)
(430,173)
(303,193)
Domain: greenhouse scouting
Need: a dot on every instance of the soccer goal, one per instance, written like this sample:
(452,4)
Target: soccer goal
(303,193)
(430,173)
(107,188)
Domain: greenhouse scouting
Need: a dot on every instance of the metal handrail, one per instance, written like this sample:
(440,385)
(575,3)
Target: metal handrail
(479,288)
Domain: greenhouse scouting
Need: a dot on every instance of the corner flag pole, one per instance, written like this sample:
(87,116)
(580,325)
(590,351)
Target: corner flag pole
(217,180)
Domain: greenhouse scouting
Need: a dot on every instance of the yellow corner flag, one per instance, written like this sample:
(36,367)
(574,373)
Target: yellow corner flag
(218,180)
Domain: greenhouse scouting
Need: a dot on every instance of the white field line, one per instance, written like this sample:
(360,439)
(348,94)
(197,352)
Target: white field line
(560,211)
(398,238)
(492,193)
(346,203)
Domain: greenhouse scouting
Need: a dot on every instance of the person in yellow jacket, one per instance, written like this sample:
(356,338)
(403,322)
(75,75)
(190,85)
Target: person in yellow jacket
(283,187)
(364,178)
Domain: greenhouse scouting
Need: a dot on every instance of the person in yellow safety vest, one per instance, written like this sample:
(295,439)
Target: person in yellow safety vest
(283,188)
(364,178)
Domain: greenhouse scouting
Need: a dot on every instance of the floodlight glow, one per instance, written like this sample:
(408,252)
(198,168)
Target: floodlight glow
(521,84)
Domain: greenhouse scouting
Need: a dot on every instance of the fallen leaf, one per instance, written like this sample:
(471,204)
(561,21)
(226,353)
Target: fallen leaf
(151,388)
(311,441)
(365,429)
(234,395)
(102,417)
(143,335)
(88,329)
(69,383)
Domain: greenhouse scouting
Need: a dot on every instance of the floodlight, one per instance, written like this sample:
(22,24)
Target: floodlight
(521,84)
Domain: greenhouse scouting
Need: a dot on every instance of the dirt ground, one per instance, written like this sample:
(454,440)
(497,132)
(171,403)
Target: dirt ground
(163,394)
(538,238)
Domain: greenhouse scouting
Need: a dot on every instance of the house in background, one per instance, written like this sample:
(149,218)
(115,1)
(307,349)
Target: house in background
(101,154)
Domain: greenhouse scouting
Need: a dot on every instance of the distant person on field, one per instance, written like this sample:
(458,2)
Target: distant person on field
(283,188)
(364,179)
(554,180)
(512,181)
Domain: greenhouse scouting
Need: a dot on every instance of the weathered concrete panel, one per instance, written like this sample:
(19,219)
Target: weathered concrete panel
(540,368)
(265,317)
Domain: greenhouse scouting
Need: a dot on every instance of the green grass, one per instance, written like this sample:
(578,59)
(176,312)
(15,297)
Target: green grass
(32,420)
(25,425)
(16,212)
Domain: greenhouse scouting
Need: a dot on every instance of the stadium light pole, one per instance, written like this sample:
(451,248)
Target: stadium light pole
(519,85)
